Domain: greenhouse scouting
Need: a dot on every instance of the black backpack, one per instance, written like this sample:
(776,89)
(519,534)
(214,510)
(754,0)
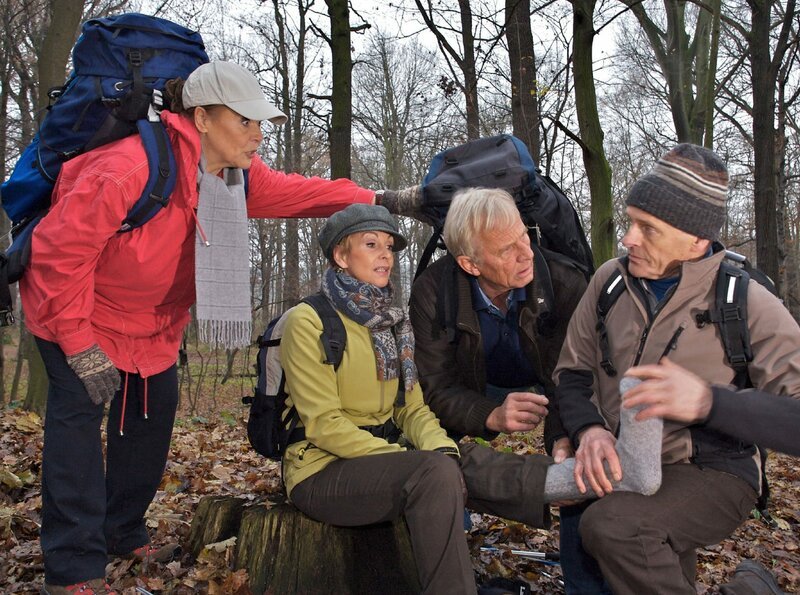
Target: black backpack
(729,313)
(504,161)
(121,65)
(268,429)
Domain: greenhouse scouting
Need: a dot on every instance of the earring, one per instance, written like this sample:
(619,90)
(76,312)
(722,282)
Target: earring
(338,269)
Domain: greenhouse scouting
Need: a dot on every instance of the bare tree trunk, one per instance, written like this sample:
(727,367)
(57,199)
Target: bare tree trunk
(65,16)
(524,96)
(686,64)
(465,62)
(341,93)
(36,396)
(23,337)
(765,70)
(707,92)
(63,20)
(5,224)
(591,141)
(291,288)
(470,72)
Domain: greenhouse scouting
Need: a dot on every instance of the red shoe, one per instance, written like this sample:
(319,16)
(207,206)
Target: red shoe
(97,586)
(148,553)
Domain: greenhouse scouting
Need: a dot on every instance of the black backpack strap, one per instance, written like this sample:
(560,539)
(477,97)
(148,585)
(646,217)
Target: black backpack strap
(434,242)
(542,274)
(334,340)
(609,294)
(447,300)
(545,322)
(6,304)
(334,337)
(730,314)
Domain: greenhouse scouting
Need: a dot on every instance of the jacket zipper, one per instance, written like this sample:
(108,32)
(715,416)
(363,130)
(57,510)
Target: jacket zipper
(651,316)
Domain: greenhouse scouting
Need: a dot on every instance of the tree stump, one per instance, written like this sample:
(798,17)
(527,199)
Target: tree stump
(217,518)
(284,551)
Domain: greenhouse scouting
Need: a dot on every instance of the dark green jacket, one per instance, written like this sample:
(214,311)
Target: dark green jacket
(453,375)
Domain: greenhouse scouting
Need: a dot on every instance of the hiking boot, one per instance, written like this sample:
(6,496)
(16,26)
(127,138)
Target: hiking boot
(97,586)
(149,553)
(752,577)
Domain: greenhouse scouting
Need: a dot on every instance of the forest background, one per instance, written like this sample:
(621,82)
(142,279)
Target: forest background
(597,89)
(373,90)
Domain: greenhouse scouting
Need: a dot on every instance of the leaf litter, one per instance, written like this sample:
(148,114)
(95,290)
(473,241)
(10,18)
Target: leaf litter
(211,457)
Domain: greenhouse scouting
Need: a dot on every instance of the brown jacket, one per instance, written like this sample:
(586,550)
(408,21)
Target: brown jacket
(587,395)
(453,375)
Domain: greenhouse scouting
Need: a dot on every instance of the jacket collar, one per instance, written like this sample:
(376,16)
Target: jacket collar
(186,146)
(467,318)
(691,271)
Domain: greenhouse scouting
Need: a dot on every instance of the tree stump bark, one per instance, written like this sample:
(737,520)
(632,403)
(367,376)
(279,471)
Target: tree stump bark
(217,518)
(284,551)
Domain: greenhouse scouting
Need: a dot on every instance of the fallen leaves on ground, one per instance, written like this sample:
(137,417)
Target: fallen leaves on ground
(213,458)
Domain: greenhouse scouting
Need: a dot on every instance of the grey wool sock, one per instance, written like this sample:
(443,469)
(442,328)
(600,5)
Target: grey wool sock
(639,451)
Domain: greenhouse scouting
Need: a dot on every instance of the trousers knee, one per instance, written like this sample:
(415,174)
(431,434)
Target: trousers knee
(439,475)
(599,529)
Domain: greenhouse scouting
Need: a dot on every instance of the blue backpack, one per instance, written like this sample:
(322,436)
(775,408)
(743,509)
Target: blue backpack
(121,64)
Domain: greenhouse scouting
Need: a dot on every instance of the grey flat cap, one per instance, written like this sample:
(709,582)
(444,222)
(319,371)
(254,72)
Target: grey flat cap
(358,217)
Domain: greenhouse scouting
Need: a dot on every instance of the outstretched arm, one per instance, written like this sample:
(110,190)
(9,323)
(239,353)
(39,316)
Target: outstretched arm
(754,416)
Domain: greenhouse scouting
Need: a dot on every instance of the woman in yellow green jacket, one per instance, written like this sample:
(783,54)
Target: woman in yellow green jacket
(345,472)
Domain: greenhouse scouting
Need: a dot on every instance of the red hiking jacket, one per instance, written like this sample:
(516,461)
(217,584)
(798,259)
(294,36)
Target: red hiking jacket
(131,292)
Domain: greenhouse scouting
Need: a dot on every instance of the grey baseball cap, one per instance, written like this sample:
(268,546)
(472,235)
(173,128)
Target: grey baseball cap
(228,84)
(358,217)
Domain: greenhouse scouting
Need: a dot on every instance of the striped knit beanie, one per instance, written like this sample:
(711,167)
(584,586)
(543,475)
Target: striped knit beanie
(687,188)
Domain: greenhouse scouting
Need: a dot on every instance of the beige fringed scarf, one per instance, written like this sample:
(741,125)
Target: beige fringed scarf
(222,268)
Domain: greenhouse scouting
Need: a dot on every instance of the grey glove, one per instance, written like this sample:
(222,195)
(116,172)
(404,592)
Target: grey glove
(97,373)
(407,201)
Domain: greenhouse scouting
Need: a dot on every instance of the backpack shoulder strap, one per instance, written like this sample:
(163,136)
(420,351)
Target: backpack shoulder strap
(334,336)
(542,273)
(730,314)
(447,300)
(434,242)
(160,180)
(545,322)
(609,294)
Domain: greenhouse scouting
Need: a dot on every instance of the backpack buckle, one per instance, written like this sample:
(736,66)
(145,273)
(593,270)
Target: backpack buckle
(536,231)
(738,359)
(703,318)
(135,57)
(336,348)
(608,367)
(159,199)
(730,312)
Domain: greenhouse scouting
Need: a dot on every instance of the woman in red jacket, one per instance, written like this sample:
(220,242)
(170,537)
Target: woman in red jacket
(108,309)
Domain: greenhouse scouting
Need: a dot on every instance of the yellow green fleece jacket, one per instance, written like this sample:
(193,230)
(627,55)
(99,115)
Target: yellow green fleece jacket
(333,403)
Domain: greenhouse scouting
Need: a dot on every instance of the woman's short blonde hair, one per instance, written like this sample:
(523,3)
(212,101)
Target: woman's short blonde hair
(474,211)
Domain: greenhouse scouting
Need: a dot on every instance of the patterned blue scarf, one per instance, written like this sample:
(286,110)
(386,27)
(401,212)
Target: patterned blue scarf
(371,306)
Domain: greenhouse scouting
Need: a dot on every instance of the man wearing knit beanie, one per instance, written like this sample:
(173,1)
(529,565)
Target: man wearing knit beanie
(662,326)
(684,192)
